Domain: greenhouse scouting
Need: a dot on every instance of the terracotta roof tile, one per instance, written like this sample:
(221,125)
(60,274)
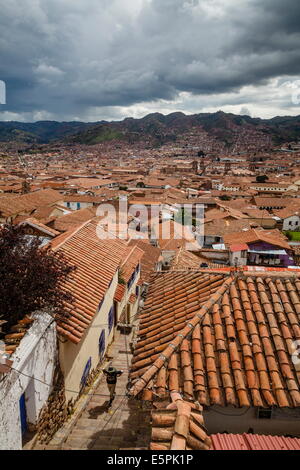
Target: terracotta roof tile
(149,260)
(235,346)
(179,427)
(97,261)
(11,206)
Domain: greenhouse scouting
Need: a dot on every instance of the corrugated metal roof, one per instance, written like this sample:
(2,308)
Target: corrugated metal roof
(228,442)
(253,442)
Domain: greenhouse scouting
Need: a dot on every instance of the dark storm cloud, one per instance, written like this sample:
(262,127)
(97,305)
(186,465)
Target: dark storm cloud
(66,56)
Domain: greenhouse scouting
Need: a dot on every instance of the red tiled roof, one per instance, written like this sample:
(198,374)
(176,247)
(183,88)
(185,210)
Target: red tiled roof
(44,213)
(241,355)
(273,201)
(288,211)
(132,298)
(132,258)
(150,257)
(186,260)
(253,236)
(179,426)
(238,247)
(74,219)
(10,206)
(120,291)
(97,262)
(253,442)
(88,183)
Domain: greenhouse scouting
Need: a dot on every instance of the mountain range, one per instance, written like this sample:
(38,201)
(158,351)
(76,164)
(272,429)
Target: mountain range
(155,128)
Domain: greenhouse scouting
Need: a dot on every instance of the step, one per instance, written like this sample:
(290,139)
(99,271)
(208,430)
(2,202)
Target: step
(78,442)
(105,443)
(46,447)
(134,448)
(104,448)
(82,434)
(85,424)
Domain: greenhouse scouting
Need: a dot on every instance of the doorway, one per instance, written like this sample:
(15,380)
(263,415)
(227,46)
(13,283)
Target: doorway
(23,414)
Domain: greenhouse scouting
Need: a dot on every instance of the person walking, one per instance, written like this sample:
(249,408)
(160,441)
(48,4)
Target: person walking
(112,375)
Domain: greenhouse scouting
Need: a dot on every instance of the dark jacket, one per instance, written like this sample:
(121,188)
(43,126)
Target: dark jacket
(111,377)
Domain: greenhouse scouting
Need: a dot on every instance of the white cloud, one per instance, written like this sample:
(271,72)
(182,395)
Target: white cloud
(91,59)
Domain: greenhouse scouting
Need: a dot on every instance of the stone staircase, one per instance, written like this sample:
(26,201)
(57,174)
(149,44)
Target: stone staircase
(123,426)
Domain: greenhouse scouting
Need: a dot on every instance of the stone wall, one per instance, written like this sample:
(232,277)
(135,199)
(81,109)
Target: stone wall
(55,412)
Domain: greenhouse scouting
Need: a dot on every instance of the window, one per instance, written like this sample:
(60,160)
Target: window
(264,413)
(137,291)
(68,205)
(85,374)
(78,205)
(111,318)
(102,344)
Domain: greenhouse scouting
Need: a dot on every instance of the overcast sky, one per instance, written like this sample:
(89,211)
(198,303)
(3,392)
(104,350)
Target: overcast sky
(108,59)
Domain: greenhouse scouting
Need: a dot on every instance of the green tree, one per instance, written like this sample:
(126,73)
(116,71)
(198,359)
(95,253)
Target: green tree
(31,276)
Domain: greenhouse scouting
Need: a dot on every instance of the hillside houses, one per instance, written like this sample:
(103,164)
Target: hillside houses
(201,313)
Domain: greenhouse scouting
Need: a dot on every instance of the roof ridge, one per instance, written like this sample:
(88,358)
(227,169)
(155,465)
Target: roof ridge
(169,350)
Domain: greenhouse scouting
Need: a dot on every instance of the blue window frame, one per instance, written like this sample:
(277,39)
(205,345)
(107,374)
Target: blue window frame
(78,205)
(102,344)
(111,318)
(86,373)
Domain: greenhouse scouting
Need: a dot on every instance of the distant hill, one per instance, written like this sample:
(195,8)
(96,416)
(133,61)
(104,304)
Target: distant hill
(39,132)
(157,129)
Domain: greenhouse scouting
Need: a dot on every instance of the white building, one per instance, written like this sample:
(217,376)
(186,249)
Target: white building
(23,393)
(292,222)
(290,218)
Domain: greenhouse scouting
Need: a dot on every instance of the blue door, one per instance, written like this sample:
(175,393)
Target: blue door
(102,344)
(23,414)
(85,374)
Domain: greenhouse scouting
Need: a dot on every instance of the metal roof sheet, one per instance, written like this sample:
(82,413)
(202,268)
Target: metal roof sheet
(253,442)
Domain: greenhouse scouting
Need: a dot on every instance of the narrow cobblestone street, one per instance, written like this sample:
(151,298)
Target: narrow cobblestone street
(125,425)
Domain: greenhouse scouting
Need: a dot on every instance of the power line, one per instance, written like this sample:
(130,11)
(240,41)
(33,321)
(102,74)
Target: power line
(77,392)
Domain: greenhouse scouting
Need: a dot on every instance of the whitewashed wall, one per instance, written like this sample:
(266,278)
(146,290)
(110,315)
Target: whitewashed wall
(220,419)
(73,205)
(291,223)
(35,357)
(73,357)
